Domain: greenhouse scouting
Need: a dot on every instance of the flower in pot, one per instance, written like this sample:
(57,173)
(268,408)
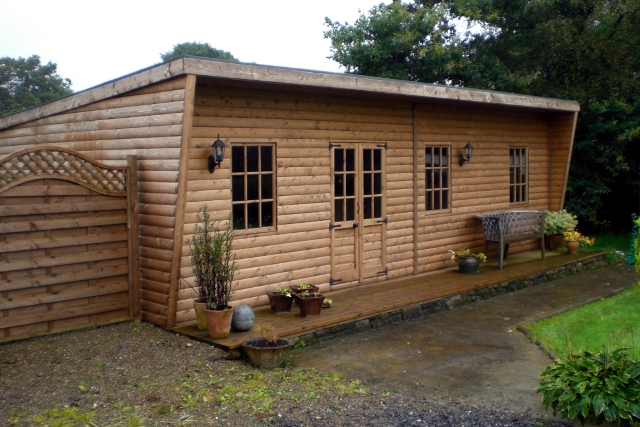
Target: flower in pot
(555,224)
(213,265)
(468,262)
(303,287)
(310,303)
(267,352)
(280,300)
(574,238)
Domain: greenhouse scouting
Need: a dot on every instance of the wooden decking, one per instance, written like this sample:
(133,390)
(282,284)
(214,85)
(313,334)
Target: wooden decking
(370,300)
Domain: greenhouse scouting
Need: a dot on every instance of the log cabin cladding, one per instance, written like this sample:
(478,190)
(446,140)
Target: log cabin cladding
(322,233)
(170,114)
(300,126)
(67,258)
(483,184)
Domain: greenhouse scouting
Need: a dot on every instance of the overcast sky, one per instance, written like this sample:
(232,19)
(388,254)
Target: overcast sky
(95,41)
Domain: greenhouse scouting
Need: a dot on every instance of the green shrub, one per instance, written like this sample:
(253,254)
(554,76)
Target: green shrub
(212,261)
(593,386)
(558,222)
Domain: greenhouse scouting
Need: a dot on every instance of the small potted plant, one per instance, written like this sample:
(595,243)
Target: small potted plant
(213,265)
(310,303)
(280,300)
(573,238)
(555,224)
(267,352)
(468,262)
(303,287)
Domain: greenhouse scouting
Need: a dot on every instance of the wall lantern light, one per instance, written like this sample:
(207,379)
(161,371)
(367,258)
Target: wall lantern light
(468,152)
(217,154)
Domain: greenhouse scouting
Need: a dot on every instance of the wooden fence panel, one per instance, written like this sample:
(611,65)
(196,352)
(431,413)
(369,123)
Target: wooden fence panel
(64,243)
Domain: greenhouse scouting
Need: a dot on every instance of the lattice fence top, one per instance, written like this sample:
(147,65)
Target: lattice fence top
(54,162)
(512,222)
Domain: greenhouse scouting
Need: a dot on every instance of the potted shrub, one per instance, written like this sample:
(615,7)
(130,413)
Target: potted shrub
(573,238)
(267,352)
(555,224)
(213,264)
(280,300)
(310,303)
(468,262)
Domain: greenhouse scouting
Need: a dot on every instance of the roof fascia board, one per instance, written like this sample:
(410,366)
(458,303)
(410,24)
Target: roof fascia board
(287,76)
(262,73)
(106,90)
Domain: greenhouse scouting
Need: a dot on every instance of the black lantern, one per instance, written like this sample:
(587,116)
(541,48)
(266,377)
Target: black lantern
(468,152)
(217,154)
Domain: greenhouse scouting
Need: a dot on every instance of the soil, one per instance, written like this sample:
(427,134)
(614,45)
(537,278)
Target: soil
(140,375)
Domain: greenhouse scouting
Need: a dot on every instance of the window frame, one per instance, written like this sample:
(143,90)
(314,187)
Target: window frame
(513,171)
(430,192)
(259,200)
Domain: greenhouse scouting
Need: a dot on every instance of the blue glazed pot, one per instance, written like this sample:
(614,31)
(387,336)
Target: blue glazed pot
(468,265)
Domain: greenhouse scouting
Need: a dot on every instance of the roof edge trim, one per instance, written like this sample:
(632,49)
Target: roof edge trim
(206,67)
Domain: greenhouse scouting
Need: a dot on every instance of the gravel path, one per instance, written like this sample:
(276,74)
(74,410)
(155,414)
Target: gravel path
(141,375)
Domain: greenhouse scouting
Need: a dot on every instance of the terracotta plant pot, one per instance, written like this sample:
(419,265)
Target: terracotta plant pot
(280,303)
(309,305)
(468,265)
(219,322)
(554,241)
(201,319)
(263,354)
(572,246)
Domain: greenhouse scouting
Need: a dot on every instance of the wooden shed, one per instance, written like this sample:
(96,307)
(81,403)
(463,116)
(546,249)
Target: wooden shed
(333,179)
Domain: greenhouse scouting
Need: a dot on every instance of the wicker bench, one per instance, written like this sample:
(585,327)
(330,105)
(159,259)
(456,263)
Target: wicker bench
(508,227)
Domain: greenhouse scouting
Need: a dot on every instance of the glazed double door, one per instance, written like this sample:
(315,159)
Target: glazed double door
(358,212)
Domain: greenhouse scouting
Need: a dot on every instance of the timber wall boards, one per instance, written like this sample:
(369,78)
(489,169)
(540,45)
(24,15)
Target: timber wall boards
(482,184)
(146,123)
(301,125)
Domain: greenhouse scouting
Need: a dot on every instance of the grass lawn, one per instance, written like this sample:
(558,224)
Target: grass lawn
(611,322)
(610,242)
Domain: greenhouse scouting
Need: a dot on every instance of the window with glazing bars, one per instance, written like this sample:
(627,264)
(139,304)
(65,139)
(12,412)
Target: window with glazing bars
(437,179)
(518,175)
(252,186)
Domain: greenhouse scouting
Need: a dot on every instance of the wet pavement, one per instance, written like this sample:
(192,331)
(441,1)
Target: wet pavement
(472,354)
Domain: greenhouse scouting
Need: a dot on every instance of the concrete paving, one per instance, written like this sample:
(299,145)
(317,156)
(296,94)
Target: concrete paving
(472,354)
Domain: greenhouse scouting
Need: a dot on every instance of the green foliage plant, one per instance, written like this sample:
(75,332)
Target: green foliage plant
(466,253)
(212,261)
(593,386)
(558,222)
(286,292)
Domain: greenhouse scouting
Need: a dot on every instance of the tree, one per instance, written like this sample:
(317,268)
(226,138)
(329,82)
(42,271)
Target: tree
(585,50)
(25,83)
(399,41)
(196,49)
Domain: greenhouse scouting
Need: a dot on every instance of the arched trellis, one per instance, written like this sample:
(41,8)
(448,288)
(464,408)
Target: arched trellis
(46,161)
(72,259)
